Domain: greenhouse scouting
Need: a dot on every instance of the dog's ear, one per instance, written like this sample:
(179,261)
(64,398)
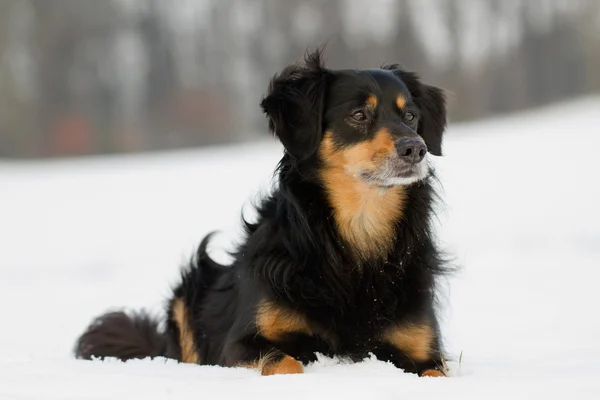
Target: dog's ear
(431,102)
(294,105)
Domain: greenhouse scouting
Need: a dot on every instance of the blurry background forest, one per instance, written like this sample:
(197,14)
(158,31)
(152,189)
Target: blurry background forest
(107,76)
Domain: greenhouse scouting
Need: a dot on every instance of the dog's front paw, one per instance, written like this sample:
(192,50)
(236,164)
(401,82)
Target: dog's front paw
(287,365)
(432,373)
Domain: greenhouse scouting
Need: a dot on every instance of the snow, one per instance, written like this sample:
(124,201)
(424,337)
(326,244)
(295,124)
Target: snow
(83,236)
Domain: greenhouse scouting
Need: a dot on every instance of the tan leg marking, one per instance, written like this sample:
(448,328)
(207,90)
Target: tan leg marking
(273,321)
(412,339)
(187,344)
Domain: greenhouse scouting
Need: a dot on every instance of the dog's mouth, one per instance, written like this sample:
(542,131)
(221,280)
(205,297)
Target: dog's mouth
(395,173)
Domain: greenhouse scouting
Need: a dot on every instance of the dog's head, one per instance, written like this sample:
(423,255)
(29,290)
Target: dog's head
(377,125)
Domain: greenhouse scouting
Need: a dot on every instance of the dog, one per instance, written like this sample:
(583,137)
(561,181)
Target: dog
(341,260)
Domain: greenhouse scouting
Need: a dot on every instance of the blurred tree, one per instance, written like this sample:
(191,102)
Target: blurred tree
(90,76)
(76,92)
(17,103)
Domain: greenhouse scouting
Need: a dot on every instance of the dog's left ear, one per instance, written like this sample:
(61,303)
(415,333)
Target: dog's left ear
(431,102)
(294,105)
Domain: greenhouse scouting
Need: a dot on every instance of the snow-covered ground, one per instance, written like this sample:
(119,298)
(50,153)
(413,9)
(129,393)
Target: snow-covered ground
(82,236)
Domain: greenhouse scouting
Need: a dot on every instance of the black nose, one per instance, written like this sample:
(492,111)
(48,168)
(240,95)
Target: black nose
(411,150)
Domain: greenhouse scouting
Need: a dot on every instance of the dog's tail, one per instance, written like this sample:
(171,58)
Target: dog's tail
(122,336)
(136,335)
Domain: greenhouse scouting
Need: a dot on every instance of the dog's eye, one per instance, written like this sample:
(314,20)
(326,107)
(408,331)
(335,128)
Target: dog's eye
(410,116)
(359,116)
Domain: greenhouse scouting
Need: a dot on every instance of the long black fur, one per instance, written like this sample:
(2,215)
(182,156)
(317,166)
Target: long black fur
(293,254)
(123,336)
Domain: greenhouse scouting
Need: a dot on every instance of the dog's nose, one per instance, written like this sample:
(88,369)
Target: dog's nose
(411,150)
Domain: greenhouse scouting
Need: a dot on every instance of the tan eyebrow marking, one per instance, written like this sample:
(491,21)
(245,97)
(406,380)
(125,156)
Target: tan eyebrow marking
(401,101)
(372,101)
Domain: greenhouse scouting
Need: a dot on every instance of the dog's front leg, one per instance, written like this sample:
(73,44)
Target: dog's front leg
(273,325)
(254,351)
(267,360)
(415,348)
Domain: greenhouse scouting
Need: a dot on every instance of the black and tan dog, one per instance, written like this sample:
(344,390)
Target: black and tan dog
(341,260)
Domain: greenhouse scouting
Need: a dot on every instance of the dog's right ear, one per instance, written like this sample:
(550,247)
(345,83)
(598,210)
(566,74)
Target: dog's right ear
(294,105)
